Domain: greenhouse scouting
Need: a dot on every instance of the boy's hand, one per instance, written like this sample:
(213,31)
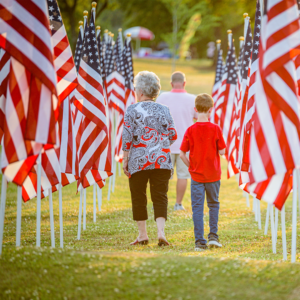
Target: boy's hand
(184,158)
(222,152)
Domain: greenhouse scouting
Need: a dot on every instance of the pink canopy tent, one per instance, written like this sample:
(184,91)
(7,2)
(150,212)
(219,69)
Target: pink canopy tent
(139,33)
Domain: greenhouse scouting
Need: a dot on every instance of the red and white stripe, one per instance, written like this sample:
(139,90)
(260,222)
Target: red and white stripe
(274,144)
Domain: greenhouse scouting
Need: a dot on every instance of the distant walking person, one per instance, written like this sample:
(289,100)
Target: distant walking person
(181,106)
(205,142)
(148,132)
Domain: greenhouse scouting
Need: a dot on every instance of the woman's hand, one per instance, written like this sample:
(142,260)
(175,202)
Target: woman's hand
(125,166)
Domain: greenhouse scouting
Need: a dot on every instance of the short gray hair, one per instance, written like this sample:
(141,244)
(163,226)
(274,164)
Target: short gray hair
(148,83)
(178,77)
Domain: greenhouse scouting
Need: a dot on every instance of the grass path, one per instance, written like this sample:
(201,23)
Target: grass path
(102,265)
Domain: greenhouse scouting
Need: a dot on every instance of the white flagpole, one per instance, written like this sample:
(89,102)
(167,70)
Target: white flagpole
(38,201)
(284,252)
(85,15)
(94,200)
(79,216)
(294,217)
(267,218)
(112,155)
(273,230)
(51,219)
(99,193)
(61,227)
(115,163)
(119,165)
(276,224)
(84,209)
(2,209)
(254,209)
(19,216)
(246,195)
(258,213)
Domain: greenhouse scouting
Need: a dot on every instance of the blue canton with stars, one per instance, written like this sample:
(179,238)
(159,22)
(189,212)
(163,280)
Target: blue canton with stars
(256,37)
(219,68)
(90,49)
(247,53)
(231,66)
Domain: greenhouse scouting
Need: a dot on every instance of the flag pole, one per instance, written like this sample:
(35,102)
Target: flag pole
(38,201)
(85,15)
(246,23)
(229,33)
(258,213)
(284,252)
(273,230)
(19,216)
(79,216)
(276,224)
(94,202)
(94,4)
(61,228)
(84,209)
(99,193)
(2,209)
(218,42)
(81,28)
(241,38)
(51,219)
(294,217)
(115,162)
(267,219)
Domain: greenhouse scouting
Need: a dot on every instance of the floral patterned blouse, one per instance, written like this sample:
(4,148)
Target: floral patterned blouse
(148,132)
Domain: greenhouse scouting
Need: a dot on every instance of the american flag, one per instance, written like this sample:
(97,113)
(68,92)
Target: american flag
(274,144)
(247,123)
(229,93)
(93,145)
(245,73)
(31,104)
(232,136)
(78,48)
(218,103)
(219,74)
(100,47)
(115,82)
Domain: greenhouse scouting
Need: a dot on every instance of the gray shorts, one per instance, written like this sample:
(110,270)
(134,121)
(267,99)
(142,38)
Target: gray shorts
(182,170)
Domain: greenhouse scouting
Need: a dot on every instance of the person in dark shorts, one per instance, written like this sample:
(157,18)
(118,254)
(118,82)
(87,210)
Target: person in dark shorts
(148,132)
(205,142)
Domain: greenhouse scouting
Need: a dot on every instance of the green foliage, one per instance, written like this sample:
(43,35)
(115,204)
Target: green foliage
(217,17)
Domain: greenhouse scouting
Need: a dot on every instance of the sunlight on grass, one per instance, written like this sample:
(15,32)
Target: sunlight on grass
(102,265)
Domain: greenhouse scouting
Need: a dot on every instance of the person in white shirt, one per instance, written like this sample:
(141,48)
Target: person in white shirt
(181,105)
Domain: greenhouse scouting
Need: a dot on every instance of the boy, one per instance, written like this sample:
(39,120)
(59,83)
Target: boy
(205,142)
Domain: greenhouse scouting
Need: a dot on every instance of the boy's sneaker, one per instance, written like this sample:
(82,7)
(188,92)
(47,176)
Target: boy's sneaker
(200,247)
(178,207)
(213,242)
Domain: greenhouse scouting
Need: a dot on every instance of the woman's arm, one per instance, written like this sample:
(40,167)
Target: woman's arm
(127,137)
(171,128)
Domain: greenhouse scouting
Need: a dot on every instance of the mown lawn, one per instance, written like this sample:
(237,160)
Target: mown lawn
(102,265)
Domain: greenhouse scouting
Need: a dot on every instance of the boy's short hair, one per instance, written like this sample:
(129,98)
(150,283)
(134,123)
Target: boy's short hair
(178,77)
(203,103)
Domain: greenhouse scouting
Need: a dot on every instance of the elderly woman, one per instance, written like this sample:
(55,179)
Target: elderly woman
(148,132)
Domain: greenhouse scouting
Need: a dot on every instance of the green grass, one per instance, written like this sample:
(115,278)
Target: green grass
(102,265)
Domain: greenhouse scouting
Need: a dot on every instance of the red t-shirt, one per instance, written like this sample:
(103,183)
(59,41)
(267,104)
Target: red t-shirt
(204,140)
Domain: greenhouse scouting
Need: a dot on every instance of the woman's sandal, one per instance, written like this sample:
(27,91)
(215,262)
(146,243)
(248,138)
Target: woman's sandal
(137,242)
(163,242)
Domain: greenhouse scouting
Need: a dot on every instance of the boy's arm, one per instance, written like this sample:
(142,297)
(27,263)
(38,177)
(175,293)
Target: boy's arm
(184,158)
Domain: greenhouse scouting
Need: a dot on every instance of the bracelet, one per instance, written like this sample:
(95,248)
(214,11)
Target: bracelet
(126,157)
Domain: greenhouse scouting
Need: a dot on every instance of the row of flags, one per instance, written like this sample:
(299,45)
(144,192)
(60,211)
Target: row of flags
(57,110)
(257,102)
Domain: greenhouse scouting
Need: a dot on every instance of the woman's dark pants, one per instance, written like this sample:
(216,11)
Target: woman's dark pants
(159,185)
